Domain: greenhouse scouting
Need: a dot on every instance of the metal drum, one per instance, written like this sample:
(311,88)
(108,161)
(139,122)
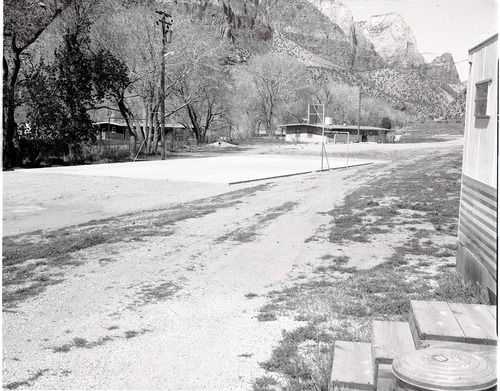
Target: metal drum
(443,369)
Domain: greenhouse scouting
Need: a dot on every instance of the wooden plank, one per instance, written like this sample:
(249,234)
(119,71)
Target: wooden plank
(483,188)
(415,332)
(352,365)
(435,320)
(493,311)
(385,371)
(385,379)
(476,322)
(390,339)
(487,234)
(386,385)
(485,259)
(482,223)
(476,202)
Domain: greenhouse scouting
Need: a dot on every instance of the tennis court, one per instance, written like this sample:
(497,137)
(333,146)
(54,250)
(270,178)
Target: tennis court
(222,169)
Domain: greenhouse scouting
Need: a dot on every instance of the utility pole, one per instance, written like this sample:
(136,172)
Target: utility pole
(166,23)
(359,111)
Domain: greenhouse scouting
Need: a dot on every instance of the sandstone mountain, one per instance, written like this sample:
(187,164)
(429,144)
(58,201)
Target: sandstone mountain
(442,68)
(380,54)
(393,40)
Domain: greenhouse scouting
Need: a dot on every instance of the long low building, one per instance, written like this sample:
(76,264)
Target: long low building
(312,133)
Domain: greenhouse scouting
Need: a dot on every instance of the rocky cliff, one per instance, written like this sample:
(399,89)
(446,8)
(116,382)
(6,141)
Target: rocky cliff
(442,68)
(323,34)
(362,55)
(393,40)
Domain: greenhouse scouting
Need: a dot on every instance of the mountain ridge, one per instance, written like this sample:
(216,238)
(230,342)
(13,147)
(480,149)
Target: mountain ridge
(324,34)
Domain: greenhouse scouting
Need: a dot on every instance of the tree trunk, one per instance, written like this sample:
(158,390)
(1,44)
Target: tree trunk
(156,134)
(125,112)
(194,121)
(147,130)
(152,130)
(9,122)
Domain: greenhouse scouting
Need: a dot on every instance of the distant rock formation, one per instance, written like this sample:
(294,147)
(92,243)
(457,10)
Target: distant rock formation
(362,54)
(442,68)
(393,40)
(338,13)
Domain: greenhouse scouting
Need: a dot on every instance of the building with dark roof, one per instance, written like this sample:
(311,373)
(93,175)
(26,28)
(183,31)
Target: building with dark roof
(312,133)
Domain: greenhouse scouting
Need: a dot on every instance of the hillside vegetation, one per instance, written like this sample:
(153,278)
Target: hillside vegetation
(233,69)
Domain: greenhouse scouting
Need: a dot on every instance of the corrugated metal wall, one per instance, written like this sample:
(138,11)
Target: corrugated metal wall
(477,236)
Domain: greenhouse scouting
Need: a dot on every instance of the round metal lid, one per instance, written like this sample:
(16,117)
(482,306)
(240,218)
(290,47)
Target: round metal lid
(440,369)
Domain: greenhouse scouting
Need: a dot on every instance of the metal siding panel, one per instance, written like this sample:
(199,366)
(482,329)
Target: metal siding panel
(475,229)
(487,223)
(487,261)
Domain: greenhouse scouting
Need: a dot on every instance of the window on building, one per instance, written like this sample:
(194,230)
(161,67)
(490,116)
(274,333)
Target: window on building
(482,99)
(113,129)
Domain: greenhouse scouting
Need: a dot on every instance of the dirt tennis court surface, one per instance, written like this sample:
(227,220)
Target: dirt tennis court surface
(223,169)
(55,197)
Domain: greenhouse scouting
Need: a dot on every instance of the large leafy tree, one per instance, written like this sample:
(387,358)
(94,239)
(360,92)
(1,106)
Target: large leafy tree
(24,22)
(60,95)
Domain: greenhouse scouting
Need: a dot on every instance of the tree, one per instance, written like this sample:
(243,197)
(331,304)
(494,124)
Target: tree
(275,80)
(200,83)
(60,95)
(24,22)
(386,123)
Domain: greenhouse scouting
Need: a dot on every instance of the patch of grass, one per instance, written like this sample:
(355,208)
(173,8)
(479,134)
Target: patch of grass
(134,333)
(27,382)
(452,288)
(273,213)
(343,308)
(267,313)
(251,295)
(56,248)
(150,293)
(284,357)
(80,343)
(249,234)
(265,383)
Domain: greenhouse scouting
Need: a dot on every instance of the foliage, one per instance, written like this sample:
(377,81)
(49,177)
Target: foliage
(59,97)
(274,83)
(23,24)
(386,123)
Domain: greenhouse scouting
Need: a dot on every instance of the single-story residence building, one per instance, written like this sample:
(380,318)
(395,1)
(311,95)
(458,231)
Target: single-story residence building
(112,130)
(116,129)
(312,133)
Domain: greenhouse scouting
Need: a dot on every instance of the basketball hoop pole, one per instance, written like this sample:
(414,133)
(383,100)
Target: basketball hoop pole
(323,139)
(323,147)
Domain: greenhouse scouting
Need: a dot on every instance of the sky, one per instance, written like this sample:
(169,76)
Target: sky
(440,26)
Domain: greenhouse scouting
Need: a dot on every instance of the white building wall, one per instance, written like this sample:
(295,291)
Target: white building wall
(480,150)
(305,138)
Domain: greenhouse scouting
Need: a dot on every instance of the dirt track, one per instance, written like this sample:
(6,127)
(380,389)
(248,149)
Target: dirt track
(170,312)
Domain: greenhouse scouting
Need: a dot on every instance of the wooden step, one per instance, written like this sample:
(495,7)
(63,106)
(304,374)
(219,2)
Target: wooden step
(352,366)
(389,340)
(385,378)
(442,321)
